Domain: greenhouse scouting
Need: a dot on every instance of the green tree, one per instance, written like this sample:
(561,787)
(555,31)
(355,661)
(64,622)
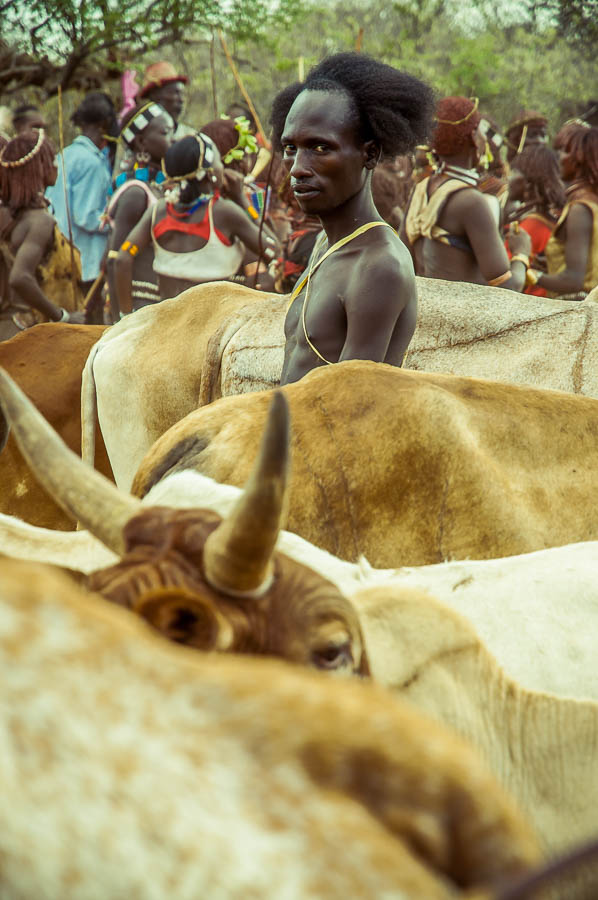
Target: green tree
(80,43)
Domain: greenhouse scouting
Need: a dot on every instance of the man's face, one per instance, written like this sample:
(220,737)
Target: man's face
(171,97)
(322,151)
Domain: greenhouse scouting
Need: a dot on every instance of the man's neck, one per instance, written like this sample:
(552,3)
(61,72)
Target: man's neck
(356,211)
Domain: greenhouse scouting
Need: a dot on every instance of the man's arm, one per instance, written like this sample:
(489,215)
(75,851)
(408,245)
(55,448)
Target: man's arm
(377,295)
(577,248)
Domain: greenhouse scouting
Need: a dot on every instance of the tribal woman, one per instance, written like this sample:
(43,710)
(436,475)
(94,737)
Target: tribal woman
(197,235)
(147,134)
(238,148)
(449,226)
(37,282)
(536,187)
(572,251)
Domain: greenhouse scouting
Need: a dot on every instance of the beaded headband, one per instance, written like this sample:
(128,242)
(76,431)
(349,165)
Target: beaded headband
(490,133)
(140,121)
(12,164)
(476,103)
(206,159)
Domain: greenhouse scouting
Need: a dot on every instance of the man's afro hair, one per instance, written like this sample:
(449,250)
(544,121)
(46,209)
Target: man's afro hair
(394,109)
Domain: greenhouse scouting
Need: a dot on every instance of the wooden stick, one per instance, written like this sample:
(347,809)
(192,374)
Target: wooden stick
(213,72)
(66,199)
(241,86)
(359,41)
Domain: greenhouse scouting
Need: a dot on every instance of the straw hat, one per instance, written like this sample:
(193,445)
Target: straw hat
(157,75)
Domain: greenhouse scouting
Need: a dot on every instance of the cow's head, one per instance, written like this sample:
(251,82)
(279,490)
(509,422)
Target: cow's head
(210,583)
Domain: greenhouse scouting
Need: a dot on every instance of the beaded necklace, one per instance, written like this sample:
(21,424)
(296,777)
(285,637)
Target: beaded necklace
(183,214)
(469,176)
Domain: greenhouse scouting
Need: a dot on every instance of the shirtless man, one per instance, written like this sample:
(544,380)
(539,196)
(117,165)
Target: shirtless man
(357,299)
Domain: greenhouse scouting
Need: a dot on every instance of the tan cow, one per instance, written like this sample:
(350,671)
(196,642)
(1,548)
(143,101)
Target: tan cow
(47,362)
(219,339)
(132,768)
(409,468)
(155,366)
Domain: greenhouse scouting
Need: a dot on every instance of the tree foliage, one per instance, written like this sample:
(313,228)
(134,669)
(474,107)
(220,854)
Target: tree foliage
(530,54)
(79,43)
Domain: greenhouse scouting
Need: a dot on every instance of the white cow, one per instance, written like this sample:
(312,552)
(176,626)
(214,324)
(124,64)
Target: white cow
(542,748)
(134,768)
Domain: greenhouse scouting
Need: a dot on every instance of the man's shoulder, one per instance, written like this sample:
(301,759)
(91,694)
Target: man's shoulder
(387,254)
(385,267)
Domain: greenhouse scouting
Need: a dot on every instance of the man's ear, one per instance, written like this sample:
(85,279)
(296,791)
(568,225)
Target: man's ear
(372,153)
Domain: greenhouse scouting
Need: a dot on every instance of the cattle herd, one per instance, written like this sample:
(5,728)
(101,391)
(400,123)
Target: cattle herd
(379,588)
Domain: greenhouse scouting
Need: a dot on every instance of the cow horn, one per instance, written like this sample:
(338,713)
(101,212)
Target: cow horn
(4,431)
(82,492)
(238,554)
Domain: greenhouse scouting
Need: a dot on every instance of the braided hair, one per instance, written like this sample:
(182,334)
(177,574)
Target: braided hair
(391,108)
(182,161)
(26,169)
(539,166)
(583,147)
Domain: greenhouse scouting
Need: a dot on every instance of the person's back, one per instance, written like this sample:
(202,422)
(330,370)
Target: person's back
(357,299)
(197,236)
(192,247)
(449,226)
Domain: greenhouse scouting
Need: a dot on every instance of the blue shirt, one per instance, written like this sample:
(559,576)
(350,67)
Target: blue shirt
(87,185)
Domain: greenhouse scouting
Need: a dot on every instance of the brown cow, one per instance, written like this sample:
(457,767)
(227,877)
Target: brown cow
(202,581)
(47,362)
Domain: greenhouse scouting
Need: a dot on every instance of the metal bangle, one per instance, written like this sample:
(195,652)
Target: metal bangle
(521,257)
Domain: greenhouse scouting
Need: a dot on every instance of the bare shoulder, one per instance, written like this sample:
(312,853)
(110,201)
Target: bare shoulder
(384,262)
(471,202)
(37,224)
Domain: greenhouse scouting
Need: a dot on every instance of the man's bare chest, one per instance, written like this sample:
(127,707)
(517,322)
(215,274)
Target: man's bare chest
(318,312)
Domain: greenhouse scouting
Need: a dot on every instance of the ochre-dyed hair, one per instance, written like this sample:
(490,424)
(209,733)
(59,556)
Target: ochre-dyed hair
(563,137)
(540,167)
(451,139)
(20,186)
(583,147)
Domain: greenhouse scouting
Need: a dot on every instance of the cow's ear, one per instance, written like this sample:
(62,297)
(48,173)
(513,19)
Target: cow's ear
(185,617)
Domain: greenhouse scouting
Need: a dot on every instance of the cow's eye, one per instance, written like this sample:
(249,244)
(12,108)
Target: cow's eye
(333,656)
